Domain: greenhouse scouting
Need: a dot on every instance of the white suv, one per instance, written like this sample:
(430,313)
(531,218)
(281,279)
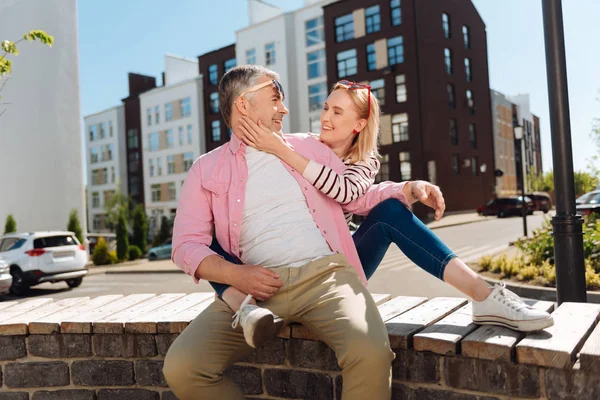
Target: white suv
(40,257)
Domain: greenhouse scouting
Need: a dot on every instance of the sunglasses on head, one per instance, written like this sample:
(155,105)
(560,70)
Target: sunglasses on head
(350,85)
(275,83)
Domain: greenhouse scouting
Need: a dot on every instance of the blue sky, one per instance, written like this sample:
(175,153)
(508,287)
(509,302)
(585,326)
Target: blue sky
(141,32)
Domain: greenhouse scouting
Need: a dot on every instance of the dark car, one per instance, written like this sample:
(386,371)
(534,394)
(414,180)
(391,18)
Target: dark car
(541,201)
(505,206)
(589,203)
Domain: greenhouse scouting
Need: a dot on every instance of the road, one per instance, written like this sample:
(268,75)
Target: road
(397,275)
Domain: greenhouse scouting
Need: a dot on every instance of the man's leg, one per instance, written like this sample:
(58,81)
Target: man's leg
(196,360)
(329,299)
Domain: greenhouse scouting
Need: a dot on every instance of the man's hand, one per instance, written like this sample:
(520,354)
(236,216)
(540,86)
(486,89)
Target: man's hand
(428,194)
(260,282)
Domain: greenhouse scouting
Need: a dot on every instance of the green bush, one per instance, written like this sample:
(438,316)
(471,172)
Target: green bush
(485,263)
(112,257)
(122,238)
(134,252)
(101,256)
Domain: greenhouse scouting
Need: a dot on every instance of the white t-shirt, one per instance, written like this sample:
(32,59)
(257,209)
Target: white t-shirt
(277,227)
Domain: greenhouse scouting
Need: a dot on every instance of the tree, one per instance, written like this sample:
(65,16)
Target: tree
(10,225)
(585,181)
(122,238)
(164,233)
(10,48)
(115,205)
(541,182)
(140,228)
(74,225)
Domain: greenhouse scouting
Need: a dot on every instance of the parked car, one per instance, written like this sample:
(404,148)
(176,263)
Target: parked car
(541,201)
(505,206)
(38,257)
(5,278)
(589,203)
(160,252)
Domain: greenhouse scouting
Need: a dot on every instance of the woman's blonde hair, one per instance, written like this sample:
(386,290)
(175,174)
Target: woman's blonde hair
(365,142)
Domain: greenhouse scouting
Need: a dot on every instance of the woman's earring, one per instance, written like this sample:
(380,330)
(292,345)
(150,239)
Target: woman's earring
(355,131)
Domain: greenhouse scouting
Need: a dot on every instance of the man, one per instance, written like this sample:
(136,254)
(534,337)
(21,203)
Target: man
(263,211)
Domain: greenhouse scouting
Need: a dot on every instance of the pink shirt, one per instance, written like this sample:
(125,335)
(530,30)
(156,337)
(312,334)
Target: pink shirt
(214,191)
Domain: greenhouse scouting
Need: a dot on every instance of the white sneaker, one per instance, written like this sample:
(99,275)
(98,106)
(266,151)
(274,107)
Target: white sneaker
(504,308)
(259,324)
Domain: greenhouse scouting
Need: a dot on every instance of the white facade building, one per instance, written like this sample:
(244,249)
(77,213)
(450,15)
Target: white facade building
(172,137)
(40,131)
(106,163)
(293,45)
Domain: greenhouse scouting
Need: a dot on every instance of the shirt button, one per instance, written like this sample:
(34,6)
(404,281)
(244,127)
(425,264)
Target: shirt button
(313,210)
(234,224)
(305,188)
(324,232)
(241,179)
(238,200)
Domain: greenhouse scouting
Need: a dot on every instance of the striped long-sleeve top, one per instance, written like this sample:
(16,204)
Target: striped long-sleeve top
(346,187)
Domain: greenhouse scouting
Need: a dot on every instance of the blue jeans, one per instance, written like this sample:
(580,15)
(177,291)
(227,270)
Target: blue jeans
(389,222)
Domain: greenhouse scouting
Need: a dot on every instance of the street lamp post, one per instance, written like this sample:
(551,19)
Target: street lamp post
(518,131)
(566,224)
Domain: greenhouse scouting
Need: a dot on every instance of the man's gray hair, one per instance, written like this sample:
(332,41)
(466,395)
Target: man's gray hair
(235,81)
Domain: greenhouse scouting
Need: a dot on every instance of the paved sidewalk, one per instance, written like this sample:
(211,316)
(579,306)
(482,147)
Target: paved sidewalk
(458,219)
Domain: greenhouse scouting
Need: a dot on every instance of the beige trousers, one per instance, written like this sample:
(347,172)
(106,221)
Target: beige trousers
(327,297)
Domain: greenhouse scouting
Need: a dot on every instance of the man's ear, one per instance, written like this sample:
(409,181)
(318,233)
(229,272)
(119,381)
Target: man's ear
(243,105)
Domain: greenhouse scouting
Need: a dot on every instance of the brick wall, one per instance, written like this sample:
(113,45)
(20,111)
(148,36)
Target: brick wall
(129,367)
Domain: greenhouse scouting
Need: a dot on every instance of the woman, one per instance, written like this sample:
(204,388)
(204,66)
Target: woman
(349,126)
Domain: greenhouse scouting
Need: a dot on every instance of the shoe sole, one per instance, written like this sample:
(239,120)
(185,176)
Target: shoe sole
(521,326)
(266,329)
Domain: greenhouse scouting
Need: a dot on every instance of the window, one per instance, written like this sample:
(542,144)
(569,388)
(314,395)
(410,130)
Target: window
(453,132)
(155,192)
(93,155)
(395,50)
(270,54)
(448,60)
(189,134)
(446,25)
(371,57)
(110,129)
(314,31)
(396,12)
(132,138)
(156,114)
(188,160)
(455,168)
(97,222)
(216,131)
(95,200)
(466,37)
(110,151)
(107,195)
(172,191)
(134,162)
(346,63)
(168,112)
(229,64)
(159,166)
(475,166)
(384,170)
(470,102)
(372,19)
(181,136)
(344,28)
(468,70)
(102,130)
(401,94)
(170,165)
(113,175)
(378,89)
(149,116)
(451,96)
(473,136)
(214,102)
(213,75)
(251,56)
(170,139)
(315,125)
(400,127)
(93,133)
(405,168)
(151,165)
(186,107)
(104,175)
(153,141)
(103,156)
(317,94)
(316,64)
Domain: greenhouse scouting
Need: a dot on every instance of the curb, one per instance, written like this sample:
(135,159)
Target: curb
(459,223)
(142,271)
(539,293)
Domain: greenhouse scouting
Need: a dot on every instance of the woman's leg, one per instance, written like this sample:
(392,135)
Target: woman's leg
(392,222)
